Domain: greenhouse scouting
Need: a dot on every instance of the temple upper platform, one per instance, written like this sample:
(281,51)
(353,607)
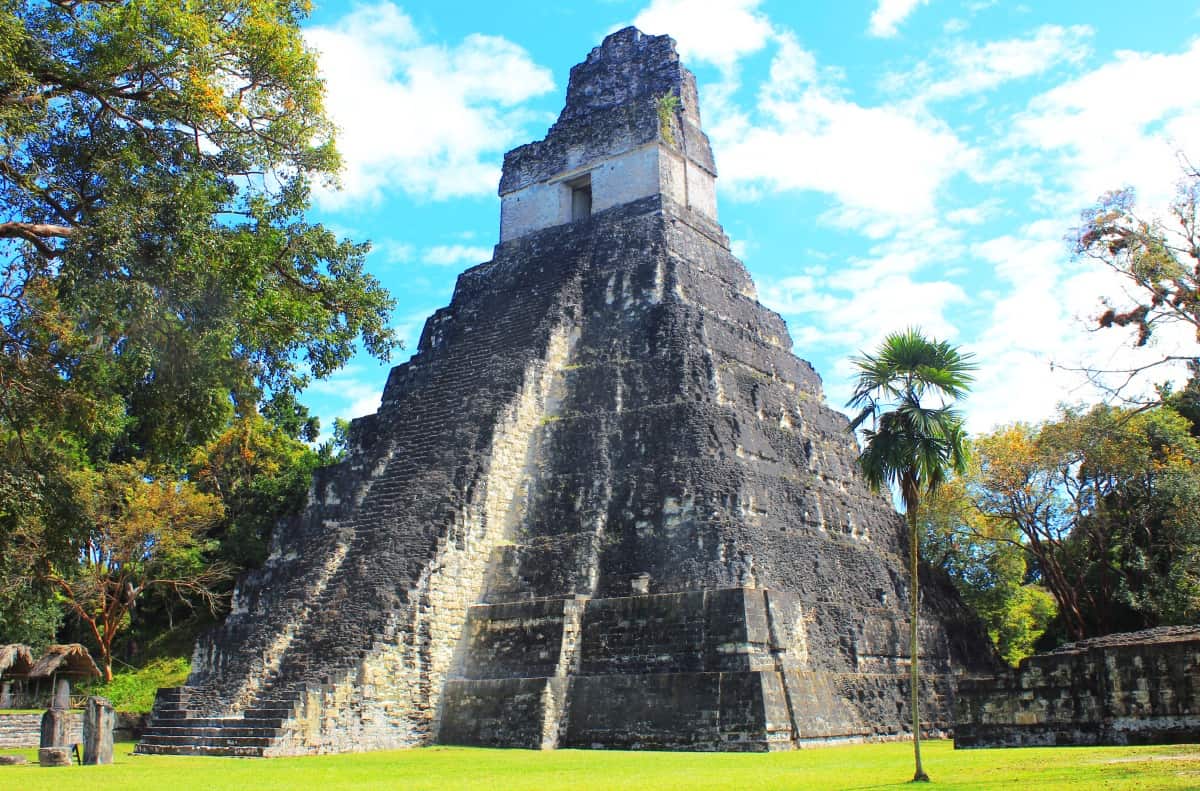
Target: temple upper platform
(630,129)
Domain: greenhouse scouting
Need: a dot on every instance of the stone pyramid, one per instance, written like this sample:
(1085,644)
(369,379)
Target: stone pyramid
(603,505)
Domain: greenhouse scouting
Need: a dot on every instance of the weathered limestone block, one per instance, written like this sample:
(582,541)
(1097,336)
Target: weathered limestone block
(54,756)
(99,718)
(56,726)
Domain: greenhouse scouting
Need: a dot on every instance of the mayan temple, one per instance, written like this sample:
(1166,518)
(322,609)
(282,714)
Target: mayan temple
(603,505)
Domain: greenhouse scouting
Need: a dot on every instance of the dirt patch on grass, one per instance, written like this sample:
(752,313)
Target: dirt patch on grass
(1193,757)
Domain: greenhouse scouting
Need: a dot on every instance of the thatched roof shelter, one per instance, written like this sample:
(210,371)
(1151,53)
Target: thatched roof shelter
(65,660)
(16,661)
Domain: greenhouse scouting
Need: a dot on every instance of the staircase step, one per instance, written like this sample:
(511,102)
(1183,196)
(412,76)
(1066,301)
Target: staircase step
(209,731)
(208,741)
(182,749)
(222,722)
(166,691)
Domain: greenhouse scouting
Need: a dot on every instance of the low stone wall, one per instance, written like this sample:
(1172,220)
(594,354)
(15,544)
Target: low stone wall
(1131,688)
(24,730)
(130,725)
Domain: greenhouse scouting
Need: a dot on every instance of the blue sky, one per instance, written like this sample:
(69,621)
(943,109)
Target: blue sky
(881,163)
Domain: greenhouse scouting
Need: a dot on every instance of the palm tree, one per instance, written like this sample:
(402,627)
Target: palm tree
(910,444)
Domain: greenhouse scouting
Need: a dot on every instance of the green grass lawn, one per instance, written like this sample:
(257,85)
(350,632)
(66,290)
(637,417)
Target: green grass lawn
(874,766)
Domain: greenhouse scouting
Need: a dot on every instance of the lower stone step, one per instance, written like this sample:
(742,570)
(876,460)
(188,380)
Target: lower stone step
(207,741)
(203,731)
(219,722)
(185,749)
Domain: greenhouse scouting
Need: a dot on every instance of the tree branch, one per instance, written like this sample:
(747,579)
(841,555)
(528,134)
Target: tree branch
(36,234)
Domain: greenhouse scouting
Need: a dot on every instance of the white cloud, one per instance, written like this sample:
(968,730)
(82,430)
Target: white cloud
(719,32)
(429,118)
(968,68)
(1042,330)
(393,251)
(792,67)
(888,166)
(1121,124)
(852,306)
(970,215)
(860,320)
(884,164)
(888,15)
(456,254)
(352,392)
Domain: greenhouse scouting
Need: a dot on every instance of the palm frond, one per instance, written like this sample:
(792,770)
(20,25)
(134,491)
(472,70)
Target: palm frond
(911,444)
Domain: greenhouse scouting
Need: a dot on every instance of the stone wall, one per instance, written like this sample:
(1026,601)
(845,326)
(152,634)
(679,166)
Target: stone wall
(24,730)
(1132,688)
(727,669)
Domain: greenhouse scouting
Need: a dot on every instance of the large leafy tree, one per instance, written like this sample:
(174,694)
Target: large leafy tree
(912,438)
(1103,502)
(158,276)
(155,166)
(250,477)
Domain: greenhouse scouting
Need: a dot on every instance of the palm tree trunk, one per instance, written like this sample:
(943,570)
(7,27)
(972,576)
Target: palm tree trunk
(914,647)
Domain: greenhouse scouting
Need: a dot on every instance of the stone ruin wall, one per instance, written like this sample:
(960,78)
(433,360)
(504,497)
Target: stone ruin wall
(25,730)
(1132,688)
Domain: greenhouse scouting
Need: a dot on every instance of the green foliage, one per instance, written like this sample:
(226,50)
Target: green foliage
(292,417)
(29,615)
(261,476)
(133,689)
(984,559)
(155,166)
(912,442)
(1136,533)
(142,532)
(1022,622)
(334,449)
(667,106)
(1101,505)
(159,278)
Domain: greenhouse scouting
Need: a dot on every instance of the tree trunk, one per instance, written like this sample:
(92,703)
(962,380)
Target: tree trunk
(914,647)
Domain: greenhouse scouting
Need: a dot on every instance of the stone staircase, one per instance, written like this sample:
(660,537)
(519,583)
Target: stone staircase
(175,729)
